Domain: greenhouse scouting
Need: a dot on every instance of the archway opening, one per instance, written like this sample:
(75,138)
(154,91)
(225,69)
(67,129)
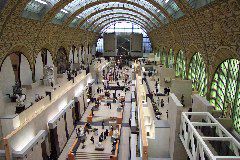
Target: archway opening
(61,60)
(225,90)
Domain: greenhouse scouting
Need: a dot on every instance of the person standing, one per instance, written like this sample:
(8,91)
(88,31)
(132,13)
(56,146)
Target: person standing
(106,132)
(158,102)
(102,124)
(162,103)
(92,139)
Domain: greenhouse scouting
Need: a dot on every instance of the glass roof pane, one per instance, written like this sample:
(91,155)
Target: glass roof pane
(36,9)
(60,17)
(199,3)
(171,7)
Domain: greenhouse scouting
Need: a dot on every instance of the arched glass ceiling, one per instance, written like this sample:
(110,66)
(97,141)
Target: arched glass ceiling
(77,10)
(115,19)
(140,13)
(106,16)
(36,9)
(102,21)
(107,6)
(67,11)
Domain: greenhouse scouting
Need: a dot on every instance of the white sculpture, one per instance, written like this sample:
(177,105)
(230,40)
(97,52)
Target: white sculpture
(20,99)
(115,134)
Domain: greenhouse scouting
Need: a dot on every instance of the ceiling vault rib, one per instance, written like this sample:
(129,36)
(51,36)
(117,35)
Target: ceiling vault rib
(112,8)
(97,24)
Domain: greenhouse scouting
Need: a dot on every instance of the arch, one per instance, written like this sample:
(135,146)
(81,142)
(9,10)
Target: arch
(89,5)
(23,49)
(177,47)
(15,67)
(117,13)
(111,9)
(7,76)
(191,50)
(49,47)
(198,74)
(122,19)
(47,57)
(121,16)
(221,54)
(225,90)
(61,60)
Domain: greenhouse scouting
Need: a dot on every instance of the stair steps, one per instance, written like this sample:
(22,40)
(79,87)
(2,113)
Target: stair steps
(92,156)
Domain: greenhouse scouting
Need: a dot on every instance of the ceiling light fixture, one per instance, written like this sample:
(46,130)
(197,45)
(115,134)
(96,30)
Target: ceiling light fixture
(41,1)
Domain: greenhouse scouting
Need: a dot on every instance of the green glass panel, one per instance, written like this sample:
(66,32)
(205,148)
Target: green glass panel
(197,73)
(180,65)
(226,86)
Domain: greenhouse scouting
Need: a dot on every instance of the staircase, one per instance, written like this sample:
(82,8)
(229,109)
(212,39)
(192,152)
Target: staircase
(92,156)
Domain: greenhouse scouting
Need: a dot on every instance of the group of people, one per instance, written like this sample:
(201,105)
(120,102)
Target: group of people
(167,91)
(160,102)
(99,90)
(103,136)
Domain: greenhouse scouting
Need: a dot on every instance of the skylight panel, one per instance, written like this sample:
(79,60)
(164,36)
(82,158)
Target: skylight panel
(171,7)
(36,9)
(199,3)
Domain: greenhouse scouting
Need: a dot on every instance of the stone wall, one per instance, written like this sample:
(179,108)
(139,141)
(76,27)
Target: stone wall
(213,30)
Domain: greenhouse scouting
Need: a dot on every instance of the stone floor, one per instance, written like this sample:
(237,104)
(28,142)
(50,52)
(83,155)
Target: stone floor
(103,112)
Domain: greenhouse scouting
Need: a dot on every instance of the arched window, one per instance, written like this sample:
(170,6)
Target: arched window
(170,59)
(225,91)
(180,65)
(198,74)
(163,57)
